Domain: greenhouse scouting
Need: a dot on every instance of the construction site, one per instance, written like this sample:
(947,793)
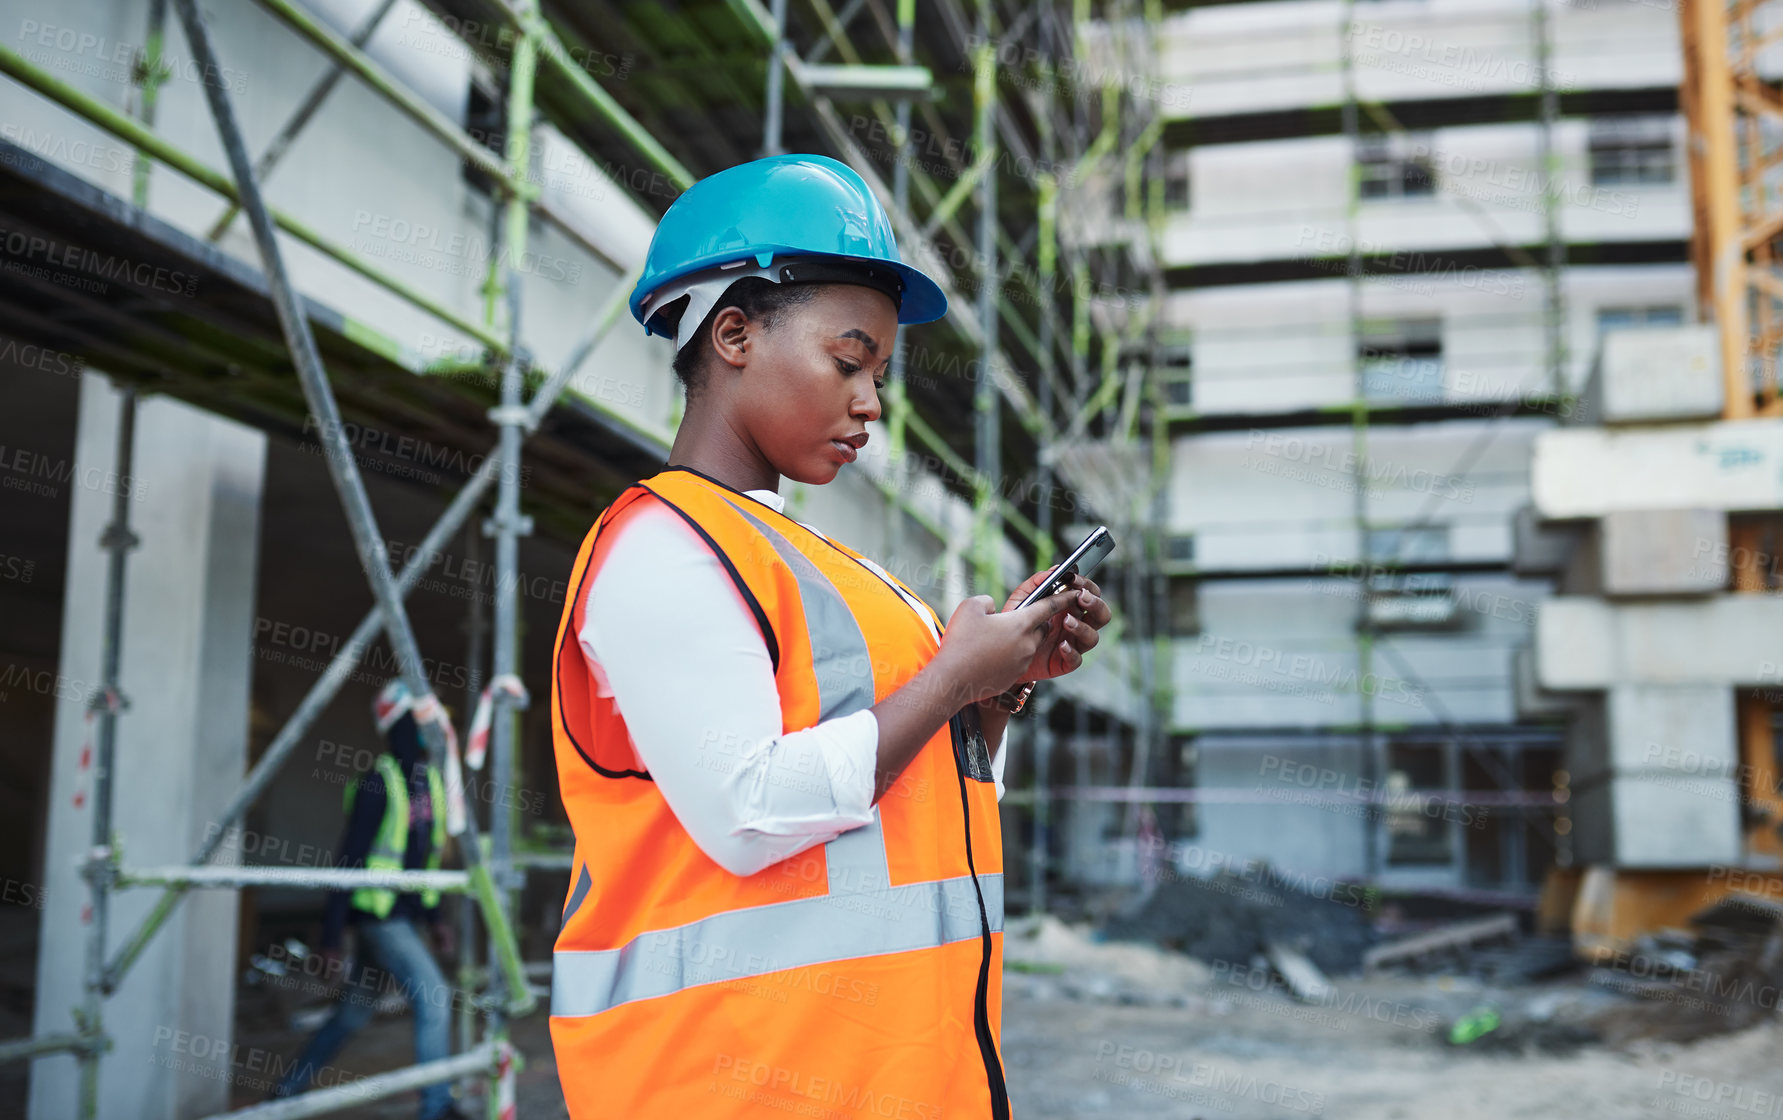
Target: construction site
(1420,355)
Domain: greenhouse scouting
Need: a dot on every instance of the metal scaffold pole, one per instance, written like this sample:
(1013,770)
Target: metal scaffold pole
(507,526)
(467,971)
(776,90)
(1047,249)
(987,521)
(322,693)
(1369,745)
(897,389)
(299,120)
(150,73)
(118,540)
(1555,262)
(344,471)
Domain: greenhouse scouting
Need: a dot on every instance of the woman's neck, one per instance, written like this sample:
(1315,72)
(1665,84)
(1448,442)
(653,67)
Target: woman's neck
(716,450)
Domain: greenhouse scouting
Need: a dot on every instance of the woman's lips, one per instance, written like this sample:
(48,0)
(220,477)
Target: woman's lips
(849,454)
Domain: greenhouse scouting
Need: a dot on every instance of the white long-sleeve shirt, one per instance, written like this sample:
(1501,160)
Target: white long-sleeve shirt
(667,636)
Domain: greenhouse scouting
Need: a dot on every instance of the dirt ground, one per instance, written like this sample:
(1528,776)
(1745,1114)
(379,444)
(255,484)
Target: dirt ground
(1102,1030)
(1093,1030)
(1117,1031)
(1250,1055)
(1258,1058)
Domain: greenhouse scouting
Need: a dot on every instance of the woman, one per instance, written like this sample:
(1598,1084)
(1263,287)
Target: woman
(787,888)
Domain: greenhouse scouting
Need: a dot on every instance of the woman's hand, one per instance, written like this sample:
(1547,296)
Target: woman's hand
(1071,633)
(983,652)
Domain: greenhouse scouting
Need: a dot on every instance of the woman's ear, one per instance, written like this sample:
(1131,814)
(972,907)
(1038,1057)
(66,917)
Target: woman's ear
(732,333)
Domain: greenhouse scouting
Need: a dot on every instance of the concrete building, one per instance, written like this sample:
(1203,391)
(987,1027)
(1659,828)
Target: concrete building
(1400,231)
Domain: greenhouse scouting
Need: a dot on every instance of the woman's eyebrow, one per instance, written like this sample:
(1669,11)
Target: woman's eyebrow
(856,332)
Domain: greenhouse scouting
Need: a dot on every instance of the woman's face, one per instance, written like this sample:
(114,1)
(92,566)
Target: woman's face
(813,379)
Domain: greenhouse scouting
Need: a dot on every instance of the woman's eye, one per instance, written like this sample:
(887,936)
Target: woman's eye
(879,386)
(846,366)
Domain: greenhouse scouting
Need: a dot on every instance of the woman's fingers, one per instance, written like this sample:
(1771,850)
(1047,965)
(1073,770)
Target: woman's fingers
(1082,635)
(1092,610)
(1095,611)
(1068,656)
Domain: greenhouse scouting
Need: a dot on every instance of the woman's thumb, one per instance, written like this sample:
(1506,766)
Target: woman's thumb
(975,604)
(1052,604)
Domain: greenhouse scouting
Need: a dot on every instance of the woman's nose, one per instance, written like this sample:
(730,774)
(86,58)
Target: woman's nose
(867,407)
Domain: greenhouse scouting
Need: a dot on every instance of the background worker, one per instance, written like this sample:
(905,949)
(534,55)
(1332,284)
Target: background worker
(395,821)
(787,885)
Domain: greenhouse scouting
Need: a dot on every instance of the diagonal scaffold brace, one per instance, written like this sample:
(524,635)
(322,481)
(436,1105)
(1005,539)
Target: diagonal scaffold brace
(344,472)
(322,693)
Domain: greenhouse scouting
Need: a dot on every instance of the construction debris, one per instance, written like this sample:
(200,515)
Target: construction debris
(1725,977)
(1235,919)
(1443,940)
(1076,965)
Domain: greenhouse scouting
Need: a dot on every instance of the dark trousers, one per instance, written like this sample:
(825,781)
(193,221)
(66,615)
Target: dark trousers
(392,956)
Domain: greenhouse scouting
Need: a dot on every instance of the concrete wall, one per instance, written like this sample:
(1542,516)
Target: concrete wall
(362,174)
(1283,654)
(1275,499)
(1406,50)
(1292,829)
(1282,346)
(1289,199)
(181,745)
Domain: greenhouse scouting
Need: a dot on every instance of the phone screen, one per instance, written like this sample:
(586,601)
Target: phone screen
(1084,559)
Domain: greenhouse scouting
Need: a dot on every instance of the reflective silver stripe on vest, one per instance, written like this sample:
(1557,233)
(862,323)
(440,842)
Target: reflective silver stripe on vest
(838,649)
(583,882)
(863,915)
(764,939)
(844,669)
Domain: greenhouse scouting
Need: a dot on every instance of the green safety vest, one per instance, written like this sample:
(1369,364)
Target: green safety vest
(392,840)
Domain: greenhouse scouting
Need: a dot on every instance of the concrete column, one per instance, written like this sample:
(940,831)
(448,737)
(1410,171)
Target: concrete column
(186,671)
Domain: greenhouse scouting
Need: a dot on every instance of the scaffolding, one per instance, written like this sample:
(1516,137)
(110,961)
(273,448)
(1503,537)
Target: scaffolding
(1383,569)
(1108,345)
(488,874)
(1104,347)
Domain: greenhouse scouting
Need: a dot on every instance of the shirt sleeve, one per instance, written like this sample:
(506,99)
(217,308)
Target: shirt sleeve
(997,757)
(668,636)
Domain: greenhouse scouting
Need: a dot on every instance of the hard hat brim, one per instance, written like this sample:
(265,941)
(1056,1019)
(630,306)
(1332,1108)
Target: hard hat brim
(923,300)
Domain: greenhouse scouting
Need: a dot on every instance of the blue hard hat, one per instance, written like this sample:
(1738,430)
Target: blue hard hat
(778,209)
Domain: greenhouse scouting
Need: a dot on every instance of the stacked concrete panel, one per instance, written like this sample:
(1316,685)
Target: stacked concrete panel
(1643,634)
(1647,376)
(1729,465)
(1663,552)
(1654,776)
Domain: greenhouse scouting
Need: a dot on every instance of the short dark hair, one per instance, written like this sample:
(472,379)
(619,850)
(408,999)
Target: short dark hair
(759,299)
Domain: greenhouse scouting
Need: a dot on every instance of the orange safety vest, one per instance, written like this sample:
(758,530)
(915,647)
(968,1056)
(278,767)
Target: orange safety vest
(859,978)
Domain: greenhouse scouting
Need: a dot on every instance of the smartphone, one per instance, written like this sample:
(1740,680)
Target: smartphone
(1083,560)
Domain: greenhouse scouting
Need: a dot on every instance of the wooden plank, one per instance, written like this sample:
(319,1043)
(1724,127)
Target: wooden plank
(1301,975)
(1455,936)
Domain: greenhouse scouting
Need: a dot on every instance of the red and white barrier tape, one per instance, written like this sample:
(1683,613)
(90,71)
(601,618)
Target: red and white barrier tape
(429,710)
(478,745)
(506,1104)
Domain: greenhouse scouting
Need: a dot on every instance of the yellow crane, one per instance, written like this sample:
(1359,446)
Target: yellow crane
(1735,119)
